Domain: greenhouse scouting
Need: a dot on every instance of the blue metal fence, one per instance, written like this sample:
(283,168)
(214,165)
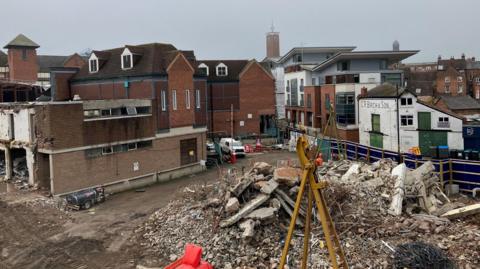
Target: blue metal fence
(465,173)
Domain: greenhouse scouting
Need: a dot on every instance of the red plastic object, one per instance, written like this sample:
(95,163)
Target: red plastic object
(191,259)
(233,158)
(248,149)
(193,255)
(319,160)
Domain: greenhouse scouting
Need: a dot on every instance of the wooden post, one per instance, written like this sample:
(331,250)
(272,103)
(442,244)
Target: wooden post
(383,153)
(416,163)
(368,155)
(345,155)
(356,151)
(231,120)
(450,179)
(440,163)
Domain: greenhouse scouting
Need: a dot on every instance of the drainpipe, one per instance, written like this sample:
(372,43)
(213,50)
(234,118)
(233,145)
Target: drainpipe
(398,127)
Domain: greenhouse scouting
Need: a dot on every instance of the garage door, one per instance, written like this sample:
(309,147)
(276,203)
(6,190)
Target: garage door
(431,138)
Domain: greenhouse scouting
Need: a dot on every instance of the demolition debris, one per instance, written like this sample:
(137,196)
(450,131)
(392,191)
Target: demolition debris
(378,209)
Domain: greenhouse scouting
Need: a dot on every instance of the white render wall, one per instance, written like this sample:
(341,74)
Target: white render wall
(409,136)
(5,126)
(22,126)
(304,74)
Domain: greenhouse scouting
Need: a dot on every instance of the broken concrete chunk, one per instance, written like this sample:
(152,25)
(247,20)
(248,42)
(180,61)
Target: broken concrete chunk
(241,186)
(269,186)
(247,227)
(246,209)
(232,205)
(263,214)
(400,172)
(275,203)
(287,175)
(263,168)
(353,170)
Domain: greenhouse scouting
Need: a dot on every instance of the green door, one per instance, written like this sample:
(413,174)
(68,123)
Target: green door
(376,140)
(429,139)
(376,136)
(424,121)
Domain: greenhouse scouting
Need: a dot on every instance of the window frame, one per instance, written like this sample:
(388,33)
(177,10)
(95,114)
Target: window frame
(408,120)
(164,100)
(221,66)
(197,99)
(187,99)
(91,64)
(174,100)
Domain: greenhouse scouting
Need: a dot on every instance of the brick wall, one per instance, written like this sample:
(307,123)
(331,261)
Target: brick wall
(63,126)
(75,61)
(454,84)
(25,70)
(257,97)
(180,79)
(73,170)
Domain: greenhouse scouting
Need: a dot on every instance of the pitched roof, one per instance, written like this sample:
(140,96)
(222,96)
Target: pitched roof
(234,67)
(3,59)
(385,90)
(425,81)
(21,41)
(460,102)
(153,59)
(45,62)
(440,109)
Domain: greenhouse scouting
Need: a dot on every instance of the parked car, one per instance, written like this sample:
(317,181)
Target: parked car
(85,199)
(234,145)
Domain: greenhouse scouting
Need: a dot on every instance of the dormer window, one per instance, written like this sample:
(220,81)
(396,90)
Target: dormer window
(222,70)
(203,68)
(93,64)
(127,59)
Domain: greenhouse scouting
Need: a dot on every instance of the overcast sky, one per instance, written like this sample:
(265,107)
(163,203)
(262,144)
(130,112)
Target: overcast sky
(221,29)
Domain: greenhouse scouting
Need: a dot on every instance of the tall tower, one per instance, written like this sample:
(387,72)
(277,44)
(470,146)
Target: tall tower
(22,59)
(273,43)
(396,45)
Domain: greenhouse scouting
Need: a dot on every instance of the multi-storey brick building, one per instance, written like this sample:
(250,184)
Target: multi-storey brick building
(22,64)
(241,96)
(134,115)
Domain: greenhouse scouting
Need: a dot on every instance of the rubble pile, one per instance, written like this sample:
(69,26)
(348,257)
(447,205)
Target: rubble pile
(243,220)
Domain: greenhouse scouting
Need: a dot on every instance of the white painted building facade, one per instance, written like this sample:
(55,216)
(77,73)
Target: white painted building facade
(412,134)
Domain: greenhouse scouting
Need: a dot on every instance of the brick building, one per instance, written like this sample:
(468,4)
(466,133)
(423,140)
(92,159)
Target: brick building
(22,64)
(241,96)
(132,116)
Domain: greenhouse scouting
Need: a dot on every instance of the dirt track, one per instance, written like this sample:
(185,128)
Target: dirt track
(37,236)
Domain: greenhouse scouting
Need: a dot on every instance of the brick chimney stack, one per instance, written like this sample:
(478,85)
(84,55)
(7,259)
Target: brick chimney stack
(363,91)
(22,59)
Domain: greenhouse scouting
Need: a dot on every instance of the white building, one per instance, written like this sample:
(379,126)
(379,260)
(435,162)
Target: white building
(421,125)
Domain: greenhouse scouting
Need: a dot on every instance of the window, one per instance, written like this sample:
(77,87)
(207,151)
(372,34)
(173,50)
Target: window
(406,101)
(222,70)
(174,99)
(298,58)
(24,54)
(345,108)
(429,68)
(188,151)
(383,64)
(447,79)
(343,66)
(447,88)
(406,120)
(309,100)
(187,99)
(443,122)
(459,79)
(477,80)
(107,150)
(418,90)
(93,65)
(460,89)
(440,67)
(314,81)
(197,98)
(301,85)
(203,68)
(164,100)
(127,61)
(288,85)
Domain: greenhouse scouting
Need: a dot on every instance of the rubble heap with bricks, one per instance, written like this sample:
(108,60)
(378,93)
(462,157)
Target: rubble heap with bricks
(241,221)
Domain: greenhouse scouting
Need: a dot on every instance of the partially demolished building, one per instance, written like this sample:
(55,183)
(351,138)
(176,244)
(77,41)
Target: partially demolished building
(131,116)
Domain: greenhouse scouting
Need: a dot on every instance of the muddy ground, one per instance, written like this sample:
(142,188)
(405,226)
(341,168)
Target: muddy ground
(35,234)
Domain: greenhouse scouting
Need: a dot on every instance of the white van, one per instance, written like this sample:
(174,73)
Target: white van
(235,145)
